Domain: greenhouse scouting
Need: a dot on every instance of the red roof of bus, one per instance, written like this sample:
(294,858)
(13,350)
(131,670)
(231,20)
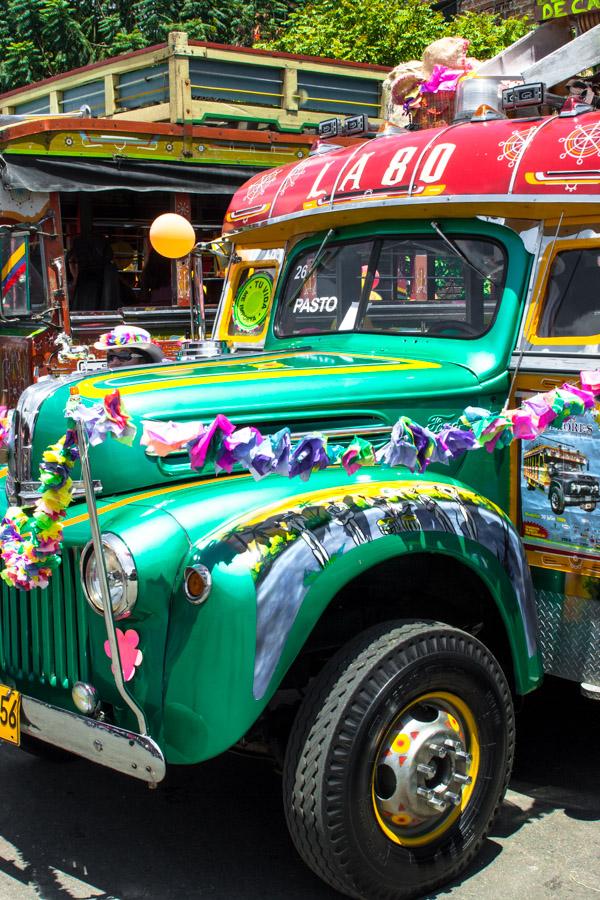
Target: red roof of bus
(552,159)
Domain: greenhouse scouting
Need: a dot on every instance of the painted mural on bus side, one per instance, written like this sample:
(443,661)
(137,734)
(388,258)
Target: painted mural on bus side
(560,485)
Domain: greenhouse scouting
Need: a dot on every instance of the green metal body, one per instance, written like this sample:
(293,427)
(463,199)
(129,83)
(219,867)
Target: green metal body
(198,681)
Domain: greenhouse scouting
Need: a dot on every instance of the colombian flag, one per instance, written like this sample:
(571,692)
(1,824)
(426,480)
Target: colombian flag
(14,268)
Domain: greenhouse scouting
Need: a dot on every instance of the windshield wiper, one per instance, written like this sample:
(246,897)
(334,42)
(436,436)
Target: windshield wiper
(458,252)
(312,267)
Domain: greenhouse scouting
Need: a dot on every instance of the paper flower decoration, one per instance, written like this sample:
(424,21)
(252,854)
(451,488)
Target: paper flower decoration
(358,453)
(30,545)
(130,655)
(103,419)
(590,381)
(162,438)
(222,445)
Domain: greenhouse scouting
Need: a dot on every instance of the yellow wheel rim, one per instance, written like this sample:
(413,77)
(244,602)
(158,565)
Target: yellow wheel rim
(425,769)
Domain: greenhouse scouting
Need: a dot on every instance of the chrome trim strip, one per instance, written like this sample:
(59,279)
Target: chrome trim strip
(368,431)
(361,431)
(106,599)
(116,748)
(425,149)
(547,362)
(523,150)
(29,491)
(23,424)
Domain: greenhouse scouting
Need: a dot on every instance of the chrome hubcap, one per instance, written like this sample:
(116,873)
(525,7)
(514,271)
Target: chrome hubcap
(422,769)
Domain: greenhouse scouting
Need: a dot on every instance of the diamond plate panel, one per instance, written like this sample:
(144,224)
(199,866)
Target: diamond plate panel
(569,635)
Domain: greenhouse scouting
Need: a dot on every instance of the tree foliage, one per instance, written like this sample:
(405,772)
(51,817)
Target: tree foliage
(40,38)
(373,31)
(388,32)
(489,34)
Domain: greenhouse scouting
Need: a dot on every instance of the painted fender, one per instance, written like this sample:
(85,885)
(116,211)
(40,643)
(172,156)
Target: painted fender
(276,568)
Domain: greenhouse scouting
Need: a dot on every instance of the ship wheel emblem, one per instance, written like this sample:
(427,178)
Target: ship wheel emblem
(581,143)
(513,146)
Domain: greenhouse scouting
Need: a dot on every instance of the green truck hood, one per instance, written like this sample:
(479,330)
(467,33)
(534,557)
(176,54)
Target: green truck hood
(304,390)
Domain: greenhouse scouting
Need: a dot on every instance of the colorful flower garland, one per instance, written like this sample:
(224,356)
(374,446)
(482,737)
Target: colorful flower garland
(410,444)
(30,545)
(104,419)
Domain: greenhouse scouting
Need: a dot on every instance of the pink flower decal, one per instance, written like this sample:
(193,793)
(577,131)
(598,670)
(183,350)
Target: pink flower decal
(128,652)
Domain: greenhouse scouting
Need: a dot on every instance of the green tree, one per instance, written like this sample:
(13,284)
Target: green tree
(489,34)
(374,31)
(388,32)
(39,38)
(61,37)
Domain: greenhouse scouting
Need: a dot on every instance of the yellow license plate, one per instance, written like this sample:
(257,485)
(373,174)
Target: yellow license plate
(10,715)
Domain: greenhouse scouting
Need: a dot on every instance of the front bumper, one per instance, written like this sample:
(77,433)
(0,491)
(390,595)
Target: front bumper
(124,751)
(579,499)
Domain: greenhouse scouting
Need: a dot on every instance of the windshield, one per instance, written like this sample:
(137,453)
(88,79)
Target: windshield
(405,285)
(569,468)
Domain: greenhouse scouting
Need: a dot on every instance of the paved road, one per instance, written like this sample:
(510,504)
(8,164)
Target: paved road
(78,831)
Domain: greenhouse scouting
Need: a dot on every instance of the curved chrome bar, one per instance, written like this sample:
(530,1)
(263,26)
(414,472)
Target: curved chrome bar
(106,602)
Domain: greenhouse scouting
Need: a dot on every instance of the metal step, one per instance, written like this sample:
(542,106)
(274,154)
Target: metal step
(591,691)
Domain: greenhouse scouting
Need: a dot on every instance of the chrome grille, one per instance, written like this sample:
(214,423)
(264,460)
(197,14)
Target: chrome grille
(21,490)
(44,633)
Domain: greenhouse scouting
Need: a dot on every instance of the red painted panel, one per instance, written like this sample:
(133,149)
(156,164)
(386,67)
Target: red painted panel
(556,156)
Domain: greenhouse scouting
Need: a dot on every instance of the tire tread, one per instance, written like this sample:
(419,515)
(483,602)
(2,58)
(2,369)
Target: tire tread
(329,698)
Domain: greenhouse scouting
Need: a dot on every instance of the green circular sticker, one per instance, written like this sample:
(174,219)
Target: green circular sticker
(252,302)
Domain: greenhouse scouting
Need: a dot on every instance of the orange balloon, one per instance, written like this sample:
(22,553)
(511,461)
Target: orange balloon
(172,236)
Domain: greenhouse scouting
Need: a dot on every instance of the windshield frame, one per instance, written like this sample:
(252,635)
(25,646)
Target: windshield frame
(378,233)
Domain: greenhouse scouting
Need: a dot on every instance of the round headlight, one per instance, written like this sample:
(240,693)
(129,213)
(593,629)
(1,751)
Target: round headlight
(121,574)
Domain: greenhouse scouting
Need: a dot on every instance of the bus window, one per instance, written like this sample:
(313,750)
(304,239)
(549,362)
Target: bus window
(37,293)
(572,302)
(14,259)
(404,285)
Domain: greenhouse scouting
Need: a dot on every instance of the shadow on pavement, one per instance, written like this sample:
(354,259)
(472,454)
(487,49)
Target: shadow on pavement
(218,830)
(557,733)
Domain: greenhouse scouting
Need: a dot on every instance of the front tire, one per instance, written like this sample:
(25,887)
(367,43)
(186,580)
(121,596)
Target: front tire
(398,760)
(557,504)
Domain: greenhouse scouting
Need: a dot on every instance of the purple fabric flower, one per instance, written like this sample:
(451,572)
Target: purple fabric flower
(401,449)
(272,454)
(207,445)
(309,455)
(452,442)
(237,448)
